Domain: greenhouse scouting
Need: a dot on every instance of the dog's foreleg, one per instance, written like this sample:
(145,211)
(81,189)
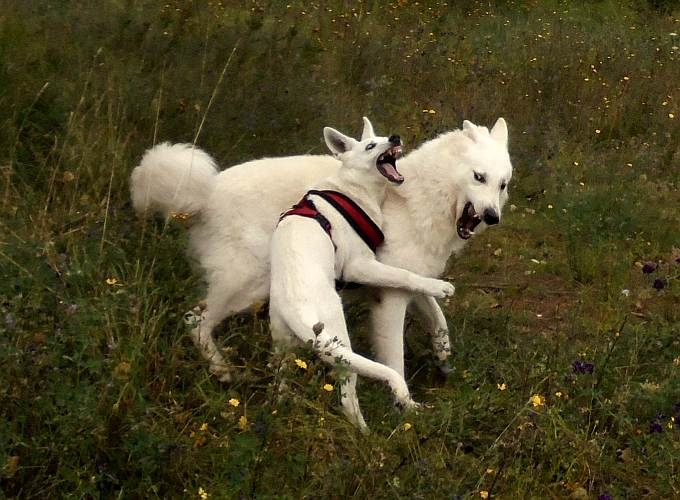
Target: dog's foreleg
(372,272)
(387,319)
(437,328)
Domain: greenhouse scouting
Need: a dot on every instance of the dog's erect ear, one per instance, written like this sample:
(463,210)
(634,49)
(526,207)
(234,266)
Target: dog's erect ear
(336,141)
(368,130)
(471,130)
(499,132)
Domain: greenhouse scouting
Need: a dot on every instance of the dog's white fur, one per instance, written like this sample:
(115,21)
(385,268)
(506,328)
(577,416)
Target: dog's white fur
(305,262)
(233,214)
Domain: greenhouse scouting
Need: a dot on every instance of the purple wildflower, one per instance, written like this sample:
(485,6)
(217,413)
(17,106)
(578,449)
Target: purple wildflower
(605,496)
(655,427)
(659,283)
(649,267)
(579,366)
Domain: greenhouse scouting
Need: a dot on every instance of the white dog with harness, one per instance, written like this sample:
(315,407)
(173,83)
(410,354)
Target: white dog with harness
(332,234)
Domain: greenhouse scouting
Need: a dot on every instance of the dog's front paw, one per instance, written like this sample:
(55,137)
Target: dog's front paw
(440,289)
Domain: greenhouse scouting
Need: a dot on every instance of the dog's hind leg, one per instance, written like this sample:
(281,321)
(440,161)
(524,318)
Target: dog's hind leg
(221,302)
(283,341)
(333,348)
(348,388)
(350,402)
(201,324)
(437,328)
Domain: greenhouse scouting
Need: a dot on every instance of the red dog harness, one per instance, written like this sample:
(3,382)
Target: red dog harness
(369,232)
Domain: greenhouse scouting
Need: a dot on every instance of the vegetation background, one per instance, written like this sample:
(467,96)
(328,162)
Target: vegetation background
(565,324)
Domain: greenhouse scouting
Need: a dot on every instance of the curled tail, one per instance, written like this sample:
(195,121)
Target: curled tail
(172,178)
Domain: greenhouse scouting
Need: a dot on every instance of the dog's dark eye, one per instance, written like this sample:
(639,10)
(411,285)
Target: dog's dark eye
(370,146)
(503,185)
(480,178)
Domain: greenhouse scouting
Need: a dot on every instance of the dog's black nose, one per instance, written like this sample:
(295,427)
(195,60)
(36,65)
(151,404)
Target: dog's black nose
(491,217)
(395,139)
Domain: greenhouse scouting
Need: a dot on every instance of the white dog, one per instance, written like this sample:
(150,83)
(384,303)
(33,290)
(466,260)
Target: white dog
(331,235)
(455,181)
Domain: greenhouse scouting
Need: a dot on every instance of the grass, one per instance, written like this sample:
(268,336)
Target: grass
(567,354)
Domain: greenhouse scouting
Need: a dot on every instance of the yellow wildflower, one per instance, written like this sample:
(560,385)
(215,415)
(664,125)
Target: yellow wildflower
(302,364)
(203,495)
(501,387)
(111,281)
(406,426)
(243,423)
(234,402)
(537,400)
(204,427)
(484,494)
(327,387)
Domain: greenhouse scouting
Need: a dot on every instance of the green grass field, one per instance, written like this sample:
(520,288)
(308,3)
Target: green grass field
(566,319)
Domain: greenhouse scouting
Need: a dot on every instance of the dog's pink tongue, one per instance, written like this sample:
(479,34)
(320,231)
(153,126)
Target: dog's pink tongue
(390,171)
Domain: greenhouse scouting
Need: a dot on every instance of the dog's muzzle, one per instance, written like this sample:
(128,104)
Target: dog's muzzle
(387,162)
(468,221)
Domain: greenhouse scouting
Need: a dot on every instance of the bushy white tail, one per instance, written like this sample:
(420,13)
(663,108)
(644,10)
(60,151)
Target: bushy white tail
(172,178)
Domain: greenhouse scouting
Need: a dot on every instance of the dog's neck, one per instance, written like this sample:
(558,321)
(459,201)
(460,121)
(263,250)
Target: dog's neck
(424,171)
(367,189)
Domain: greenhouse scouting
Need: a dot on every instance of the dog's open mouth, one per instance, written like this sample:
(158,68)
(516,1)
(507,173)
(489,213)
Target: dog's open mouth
(387,165)
(468,221)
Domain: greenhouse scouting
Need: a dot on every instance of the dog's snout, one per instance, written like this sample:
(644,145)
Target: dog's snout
(491,217)
(395,140)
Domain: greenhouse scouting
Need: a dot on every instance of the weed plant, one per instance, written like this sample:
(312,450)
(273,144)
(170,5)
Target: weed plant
(565,324)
